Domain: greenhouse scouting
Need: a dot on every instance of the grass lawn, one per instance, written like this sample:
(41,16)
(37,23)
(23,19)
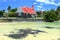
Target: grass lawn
(52,34)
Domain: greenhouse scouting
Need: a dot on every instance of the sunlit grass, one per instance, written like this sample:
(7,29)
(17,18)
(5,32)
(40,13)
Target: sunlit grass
(6,28)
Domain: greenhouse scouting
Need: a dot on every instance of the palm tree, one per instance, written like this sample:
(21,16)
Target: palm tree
(9,8)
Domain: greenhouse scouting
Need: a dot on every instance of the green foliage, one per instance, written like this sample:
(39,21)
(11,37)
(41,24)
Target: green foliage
(38,14)
(11,14)
(58,8)
(9,8)
(50,16)
(14,10)
(1,12)
(58,11)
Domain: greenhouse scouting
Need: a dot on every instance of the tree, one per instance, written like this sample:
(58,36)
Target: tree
(12,14)
(58,11)
(58,8)
(9,8)
(38,13)
(1,13)
(14,10)
(50,16)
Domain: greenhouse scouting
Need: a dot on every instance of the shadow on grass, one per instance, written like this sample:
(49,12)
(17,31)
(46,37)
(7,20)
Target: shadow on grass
(52,27)
(22,33)
(49,27)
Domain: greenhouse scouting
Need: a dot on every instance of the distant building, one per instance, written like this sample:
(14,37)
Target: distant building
(19,12)
(27,11)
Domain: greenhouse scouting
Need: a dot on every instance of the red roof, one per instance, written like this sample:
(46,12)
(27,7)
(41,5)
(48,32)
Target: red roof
(28,10)
(24,10)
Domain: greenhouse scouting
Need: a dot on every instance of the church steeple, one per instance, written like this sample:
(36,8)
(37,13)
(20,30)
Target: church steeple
(33,7)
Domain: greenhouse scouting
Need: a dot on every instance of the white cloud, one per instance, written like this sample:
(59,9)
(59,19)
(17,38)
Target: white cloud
(39,6)
(34,3)
(58,3)
(40,9)
(41,0)
(51,2)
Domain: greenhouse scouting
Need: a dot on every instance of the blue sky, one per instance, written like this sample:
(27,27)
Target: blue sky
(38,4)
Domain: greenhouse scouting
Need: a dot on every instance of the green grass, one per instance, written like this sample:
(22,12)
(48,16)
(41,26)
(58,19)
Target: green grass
(6,28)
(34,25)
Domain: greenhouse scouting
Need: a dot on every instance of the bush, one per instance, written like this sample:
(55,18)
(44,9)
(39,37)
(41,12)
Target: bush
(11,14)
(50,16)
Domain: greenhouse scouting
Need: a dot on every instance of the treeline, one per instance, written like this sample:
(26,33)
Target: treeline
(13,13)
(52,15)
(10,13)
(48,16)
